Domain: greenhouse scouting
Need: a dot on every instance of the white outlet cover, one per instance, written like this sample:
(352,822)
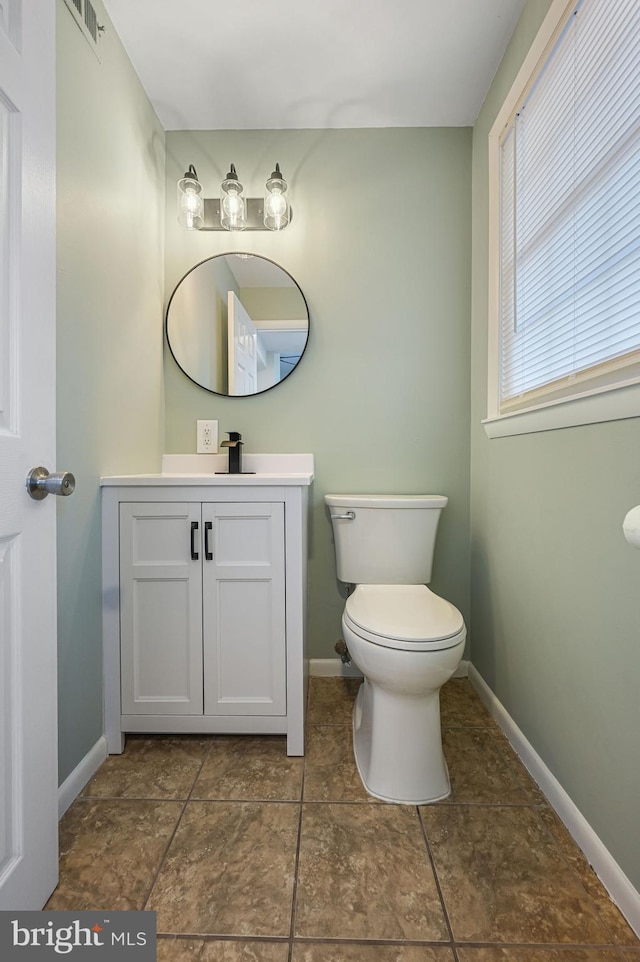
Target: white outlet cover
(207,437)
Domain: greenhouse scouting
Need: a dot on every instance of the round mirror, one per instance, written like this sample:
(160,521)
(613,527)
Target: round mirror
(237,324)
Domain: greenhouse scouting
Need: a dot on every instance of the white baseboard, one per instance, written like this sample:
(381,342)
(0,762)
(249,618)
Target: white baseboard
(82,773)
(332,668)
(622,892)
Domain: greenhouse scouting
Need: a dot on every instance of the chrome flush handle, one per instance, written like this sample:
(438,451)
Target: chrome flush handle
(348,516)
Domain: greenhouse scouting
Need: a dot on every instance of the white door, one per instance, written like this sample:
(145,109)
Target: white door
(28,684)
(161,608)
(244,609)
(242,348)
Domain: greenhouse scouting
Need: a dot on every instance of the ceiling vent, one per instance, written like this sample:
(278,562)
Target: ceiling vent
(84,14)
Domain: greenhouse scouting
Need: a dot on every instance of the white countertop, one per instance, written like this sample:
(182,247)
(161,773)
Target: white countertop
(200,469)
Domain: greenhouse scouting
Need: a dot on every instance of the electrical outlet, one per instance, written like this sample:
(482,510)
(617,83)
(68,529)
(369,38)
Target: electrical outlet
(207,437)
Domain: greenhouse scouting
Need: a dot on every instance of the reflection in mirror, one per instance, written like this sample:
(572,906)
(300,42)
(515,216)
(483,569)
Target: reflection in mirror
(237,324)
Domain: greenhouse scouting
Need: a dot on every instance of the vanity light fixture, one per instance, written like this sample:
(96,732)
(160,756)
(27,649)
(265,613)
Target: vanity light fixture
(233,212)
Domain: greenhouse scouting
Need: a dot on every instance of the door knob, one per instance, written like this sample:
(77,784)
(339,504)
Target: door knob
(40,483)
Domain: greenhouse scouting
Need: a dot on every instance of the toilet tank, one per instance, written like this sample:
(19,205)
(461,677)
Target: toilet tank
(384,539)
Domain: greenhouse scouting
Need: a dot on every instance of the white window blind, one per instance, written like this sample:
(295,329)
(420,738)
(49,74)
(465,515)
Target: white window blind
(570,214)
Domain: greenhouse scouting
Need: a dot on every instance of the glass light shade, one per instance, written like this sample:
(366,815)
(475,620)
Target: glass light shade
(190,202)
(233,212)
(277,211)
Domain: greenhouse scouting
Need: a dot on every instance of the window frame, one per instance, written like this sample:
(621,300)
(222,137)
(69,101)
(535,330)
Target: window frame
(597,402)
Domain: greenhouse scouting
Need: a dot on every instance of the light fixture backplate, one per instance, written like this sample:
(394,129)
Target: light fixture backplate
(255,215)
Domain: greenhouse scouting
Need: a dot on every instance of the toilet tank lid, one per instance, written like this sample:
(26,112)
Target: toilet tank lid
(386,500)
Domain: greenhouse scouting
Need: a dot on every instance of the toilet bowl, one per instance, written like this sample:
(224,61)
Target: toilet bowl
(396,724)
(406,640)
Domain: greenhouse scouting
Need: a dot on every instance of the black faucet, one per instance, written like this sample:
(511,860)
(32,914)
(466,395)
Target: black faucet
(234,444)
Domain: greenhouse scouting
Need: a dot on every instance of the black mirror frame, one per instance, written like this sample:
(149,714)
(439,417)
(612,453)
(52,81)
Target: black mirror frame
(177,362)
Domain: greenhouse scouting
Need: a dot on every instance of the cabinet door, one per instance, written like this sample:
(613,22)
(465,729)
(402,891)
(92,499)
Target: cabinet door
(161,608)
(244,609)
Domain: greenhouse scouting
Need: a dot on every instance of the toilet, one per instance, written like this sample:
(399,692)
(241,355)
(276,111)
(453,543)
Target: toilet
(406,641)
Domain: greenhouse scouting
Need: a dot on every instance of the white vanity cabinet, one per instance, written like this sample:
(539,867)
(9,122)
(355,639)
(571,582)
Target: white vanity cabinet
(204,582)
(202,608)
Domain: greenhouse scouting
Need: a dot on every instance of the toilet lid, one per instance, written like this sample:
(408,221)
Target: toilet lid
(410,614)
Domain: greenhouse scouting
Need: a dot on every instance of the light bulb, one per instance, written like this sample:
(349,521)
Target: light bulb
(232,204)
(276,204)
(191,208)
(190,203)
(277,212)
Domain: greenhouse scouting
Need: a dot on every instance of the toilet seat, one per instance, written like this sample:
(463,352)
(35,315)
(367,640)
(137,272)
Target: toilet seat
(404,617)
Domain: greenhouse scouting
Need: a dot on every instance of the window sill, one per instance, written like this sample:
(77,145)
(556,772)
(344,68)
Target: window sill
(613,404)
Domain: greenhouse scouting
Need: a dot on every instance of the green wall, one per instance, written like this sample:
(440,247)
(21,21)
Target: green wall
(380,245)
(110,185)
(553,582)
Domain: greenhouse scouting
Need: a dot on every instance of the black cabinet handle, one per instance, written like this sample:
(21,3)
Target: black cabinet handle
(194,553)
(208,554)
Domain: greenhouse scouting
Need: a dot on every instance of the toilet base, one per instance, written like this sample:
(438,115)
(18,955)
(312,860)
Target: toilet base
(398,747)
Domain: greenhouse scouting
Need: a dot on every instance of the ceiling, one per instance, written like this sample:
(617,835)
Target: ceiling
(277,64)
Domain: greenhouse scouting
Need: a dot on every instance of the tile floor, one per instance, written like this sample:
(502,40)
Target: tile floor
(250,856)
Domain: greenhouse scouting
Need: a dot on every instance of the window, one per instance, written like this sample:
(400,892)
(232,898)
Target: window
(565,154)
